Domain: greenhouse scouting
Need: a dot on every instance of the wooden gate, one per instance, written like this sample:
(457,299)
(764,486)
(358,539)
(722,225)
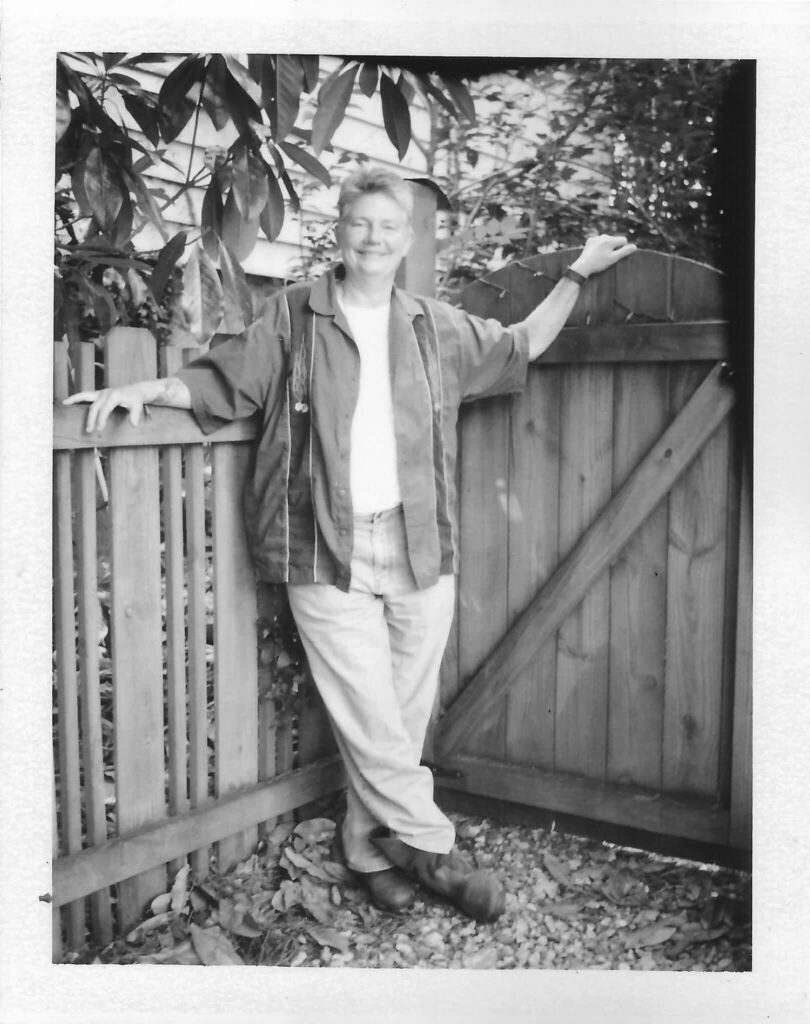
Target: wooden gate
(600,660)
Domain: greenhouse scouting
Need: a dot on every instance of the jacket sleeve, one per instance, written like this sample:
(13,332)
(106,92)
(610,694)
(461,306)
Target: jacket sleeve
(235,378)
(490,359)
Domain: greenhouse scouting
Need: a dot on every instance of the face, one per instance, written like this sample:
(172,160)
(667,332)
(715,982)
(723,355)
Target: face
(373,234)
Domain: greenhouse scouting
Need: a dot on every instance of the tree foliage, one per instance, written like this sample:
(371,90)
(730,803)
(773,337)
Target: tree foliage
(113,132)
(626,146)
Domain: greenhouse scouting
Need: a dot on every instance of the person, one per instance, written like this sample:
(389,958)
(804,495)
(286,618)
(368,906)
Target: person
(350,502)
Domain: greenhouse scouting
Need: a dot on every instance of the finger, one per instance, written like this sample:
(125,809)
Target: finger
(80,396)
(624,250)
(106,406)
(100,410)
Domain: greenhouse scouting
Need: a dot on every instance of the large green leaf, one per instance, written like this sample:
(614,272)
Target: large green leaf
(461,97)
(201,298)
(333,98)
(211,219)
(102,188)
(369,75)
(271,218)
(145,116)
(146,202)
(175,107)
(238,304)
(215,94)
(244,78)
(308,162)
(238,233)
(396,116)
(249,184)
(310,65)
(121,231)
(284,96)
(166,262)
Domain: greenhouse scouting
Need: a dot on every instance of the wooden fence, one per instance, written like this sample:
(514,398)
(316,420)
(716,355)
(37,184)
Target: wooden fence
(139,789)
(600,665)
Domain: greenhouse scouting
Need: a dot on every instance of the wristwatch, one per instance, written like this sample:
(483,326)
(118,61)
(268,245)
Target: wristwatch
(574,276)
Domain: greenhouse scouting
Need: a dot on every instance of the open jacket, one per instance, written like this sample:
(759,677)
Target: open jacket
(297,369)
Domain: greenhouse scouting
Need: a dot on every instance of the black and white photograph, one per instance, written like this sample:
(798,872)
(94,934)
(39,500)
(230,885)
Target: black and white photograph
(402,509)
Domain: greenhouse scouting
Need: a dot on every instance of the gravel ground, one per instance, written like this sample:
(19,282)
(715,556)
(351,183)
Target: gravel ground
(572,903)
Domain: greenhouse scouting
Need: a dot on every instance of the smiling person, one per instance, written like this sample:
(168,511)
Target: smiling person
(351,503)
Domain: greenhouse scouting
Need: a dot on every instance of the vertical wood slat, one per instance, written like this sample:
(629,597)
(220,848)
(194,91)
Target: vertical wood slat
(742,739)
(638,579)
(236,693)
(484,569)
(483,526)
(582,641)
(534,524)
(57,944)
(172,480)
(638,593)
(65,647)
(89,610)
(196,641)
(695,611)
(136,626)
(533,554)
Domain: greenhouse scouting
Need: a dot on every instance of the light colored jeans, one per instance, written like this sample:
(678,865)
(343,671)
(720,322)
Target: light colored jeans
(375,653)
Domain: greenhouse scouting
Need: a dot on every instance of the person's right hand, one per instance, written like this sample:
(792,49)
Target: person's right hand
(102,403)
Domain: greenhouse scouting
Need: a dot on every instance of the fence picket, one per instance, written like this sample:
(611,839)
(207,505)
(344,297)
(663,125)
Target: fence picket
(236,694)
(89,611)
(172,481)
(65,647)
(484,569)
(533,554)
(696,580)
(196,640)
(582,640)
(638,578)
(136,626)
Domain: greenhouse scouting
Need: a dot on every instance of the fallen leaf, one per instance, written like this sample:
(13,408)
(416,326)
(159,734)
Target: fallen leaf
(214,948)
(562,908)
(651,935)
(557,870)
(237,920)
(339,872)
(328,937)
(316,830)
(305,864)
(482,960)
(145,927)
(182,953)
(281,832)
(160,904)
(180,889)
(315,900)
(288,895)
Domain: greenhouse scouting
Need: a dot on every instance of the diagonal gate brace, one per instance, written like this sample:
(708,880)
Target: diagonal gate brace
(599,548)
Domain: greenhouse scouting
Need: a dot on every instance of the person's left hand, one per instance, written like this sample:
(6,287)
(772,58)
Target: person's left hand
(601,252)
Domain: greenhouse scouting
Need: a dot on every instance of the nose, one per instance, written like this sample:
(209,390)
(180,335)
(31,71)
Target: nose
(372,231)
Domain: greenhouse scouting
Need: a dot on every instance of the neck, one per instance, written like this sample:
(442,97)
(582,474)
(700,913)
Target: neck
(366,293)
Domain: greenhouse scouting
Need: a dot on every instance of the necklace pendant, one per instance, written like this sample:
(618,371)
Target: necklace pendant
(301,407)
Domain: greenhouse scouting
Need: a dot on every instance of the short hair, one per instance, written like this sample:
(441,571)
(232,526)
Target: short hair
(371,180)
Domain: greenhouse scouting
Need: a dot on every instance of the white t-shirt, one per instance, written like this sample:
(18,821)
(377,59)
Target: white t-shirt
(373,469)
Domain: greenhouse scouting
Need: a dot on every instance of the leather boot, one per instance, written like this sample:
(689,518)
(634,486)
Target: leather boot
(476,893)
(389,889)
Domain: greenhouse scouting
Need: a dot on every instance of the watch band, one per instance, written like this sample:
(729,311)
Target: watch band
(574,276)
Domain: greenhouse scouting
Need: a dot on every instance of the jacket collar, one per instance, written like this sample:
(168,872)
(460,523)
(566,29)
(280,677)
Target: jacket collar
(323,296)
